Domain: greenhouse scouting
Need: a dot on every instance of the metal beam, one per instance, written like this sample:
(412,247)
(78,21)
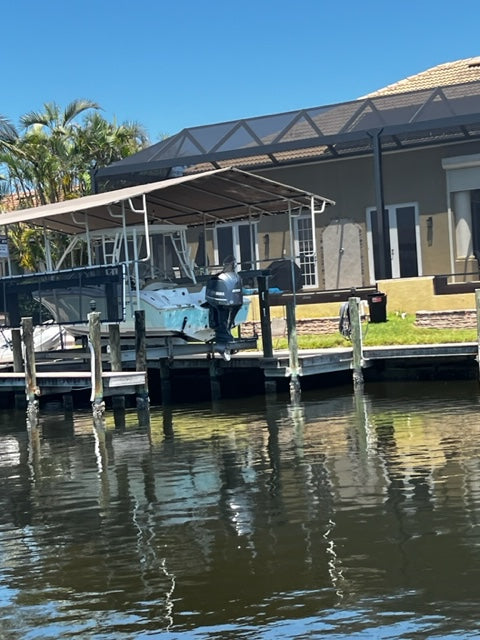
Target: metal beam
(380,204)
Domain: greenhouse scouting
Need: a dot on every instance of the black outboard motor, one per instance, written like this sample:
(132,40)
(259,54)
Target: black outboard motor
(224,297)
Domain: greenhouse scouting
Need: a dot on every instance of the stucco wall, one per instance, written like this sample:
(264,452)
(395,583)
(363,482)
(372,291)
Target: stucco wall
(414,176)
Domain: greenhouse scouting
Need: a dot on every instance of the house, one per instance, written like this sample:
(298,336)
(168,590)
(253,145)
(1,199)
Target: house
(411,149)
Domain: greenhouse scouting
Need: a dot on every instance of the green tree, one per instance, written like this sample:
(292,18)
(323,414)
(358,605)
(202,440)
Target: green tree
(49,145)
(8,133)
(52,157)
(106,142)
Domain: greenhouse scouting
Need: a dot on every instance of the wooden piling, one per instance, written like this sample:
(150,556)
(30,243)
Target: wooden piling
(265,322)
(31,389)
(357,341)
(118,416)
(270,385)
(141,358)
(167,422)
(67,402)
(94,342)
(215,386)
(115,349)
(118,401)
(295,389)
(20,399)
(477,306)
(17,350)
(165,381)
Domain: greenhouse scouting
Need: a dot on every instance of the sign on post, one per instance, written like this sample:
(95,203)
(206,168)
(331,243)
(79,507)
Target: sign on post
(3,247)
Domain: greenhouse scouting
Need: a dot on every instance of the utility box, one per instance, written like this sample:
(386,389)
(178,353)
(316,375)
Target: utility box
(377,306)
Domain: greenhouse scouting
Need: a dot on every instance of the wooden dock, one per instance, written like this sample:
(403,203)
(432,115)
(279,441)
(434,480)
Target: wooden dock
(314,362)
(49,382)
(60,373)
(125,368)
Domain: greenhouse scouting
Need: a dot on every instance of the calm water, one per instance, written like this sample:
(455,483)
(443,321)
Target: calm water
(344,517)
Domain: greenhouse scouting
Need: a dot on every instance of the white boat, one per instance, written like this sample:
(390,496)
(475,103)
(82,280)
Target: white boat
(46,337)
(130,270)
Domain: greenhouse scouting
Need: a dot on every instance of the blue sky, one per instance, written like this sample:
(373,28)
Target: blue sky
(171,65)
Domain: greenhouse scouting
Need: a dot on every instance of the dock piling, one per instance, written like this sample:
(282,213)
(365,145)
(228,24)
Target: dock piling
(31,389)
(143,400)
(94,343)
(265,323)
(270,386)
(165,381)
(118,401)
(115,349)
(20,398)
(357,342)
(295,388)
(67,402)
(215,385)
(477,307)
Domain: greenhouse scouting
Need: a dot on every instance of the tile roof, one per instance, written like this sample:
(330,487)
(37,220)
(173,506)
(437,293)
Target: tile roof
(449,73)
(13,201)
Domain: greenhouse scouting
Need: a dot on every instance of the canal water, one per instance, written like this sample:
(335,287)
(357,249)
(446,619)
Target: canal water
(343,517)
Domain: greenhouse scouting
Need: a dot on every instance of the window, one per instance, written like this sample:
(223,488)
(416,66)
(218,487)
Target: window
(306,256)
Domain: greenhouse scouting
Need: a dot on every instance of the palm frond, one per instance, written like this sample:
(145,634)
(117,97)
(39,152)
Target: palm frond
(8,133)
(76,107)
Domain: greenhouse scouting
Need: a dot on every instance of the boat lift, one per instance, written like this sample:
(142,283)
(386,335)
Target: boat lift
(115,220)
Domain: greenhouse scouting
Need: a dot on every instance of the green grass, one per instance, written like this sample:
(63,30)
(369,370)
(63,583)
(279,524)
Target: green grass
(396,330)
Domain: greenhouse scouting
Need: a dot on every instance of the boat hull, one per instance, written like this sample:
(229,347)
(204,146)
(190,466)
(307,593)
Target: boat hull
(168,312)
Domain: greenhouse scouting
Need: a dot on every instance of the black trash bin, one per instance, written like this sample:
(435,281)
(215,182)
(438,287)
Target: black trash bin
(377,306)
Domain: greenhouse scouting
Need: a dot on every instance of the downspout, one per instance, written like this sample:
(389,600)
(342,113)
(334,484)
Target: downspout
(127,259)
(313,212)
(136,270)
(292,253)
(143,211)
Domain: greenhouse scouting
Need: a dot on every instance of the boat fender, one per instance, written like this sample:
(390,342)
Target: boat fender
(344,325)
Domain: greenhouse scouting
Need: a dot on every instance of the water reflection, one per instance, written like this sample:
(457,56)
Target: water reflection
(349,514)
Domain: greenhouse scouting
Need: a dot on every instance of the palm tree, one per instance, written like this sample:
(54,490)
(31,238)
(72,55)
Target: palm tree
(99,143)
(52,158)
(8,133)
(49,145)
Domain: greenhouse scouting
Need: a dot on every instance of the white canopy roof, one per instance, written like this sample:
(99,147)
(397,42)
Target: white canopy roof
(214,196)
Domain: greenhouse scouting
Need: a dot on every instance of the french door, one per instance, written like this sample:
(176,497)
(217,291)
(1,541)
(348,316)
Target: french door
(401,242)
(238,241)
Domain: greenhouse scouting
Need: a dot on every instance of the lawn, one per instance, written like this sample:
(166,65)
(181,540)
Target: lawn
(397,330)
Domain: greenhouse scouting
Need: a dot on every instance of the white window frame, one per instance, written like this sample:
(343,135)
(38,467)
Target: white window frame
(313,284)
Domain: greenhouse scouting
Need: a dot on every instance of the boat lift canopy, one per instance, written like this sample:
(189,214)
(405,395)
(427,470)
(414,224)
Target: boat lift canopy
(203,199)
(127,214)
